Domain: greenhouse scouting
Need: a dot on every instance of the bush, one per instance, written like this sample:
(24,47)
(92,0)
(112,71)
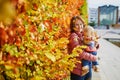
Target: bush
(34,44)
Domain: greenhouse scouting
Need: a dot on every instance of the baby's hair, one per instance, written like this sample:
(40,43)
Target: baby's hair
(87,28)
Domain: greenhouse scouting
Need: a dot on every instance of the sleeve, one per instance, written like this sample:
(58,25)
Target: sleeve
(73,42)
(88,56)
(89,49)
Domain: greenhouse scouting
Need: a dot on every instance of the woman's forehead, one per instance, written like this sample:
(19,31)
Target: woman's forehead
(78,21)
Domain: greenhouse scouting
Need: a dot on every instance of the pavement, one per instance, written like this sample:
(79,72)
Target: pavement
(109,56)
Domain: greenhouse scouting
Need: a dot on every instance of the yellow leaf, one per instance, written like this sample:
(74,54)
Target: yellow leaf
(9,67)
(51,57)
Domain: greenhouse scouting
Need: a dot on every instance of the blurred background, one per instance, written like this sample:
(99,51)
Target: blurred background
(104,13)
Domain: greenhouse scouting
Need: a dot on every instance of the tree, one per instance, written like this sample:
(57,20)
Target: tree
(92,24)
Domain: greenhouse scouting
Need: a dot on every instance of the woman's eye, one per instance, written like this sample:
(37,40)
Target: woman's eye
(88,36)
(77,24)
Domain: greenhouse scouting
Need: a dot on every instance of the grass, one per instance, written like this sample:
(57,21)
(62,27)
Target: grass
(116,43)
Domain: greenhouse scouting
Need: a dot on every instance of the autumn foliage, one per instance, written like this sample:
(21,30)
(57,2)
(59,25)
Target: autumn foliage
(33,41)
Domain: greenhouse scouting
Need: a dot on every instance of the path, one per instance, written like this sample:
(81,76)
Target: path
(109,60)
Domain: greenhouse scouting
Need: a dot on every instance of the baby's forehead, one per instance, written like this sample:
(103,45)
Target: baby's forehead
(88,28)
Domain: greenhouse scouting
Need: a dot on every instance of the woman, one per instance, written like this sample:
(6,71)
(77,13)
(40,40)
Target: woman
(76,39)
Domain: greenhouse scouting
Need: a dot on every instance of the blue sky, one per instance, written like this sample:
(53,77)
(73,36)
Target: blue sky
(96,3)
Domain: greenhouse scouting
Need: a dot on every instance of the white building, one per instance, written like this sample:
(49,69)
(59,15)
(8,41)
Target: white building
(93,15)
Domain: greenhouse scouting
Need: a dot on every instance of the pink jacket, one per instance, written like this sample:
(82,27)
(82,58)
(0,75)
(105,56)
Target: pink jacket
(75,40)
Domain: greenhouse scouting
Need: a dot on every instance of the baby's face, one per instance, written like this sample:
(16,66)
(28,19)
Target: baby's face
(87,39)
(87,36)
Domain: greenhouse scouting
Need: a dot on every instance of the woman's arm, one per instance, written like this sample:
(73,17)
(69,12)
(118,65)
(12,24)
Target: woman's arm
(73,42)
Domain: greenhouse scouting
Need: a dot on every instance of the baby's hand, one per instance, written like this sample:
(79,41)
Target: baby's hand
(96,68)
(85,70)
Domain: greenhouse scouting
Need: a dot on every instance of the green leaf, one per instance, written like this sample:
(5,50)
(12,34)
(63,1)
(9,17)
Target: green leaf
(22,47)
(8,48)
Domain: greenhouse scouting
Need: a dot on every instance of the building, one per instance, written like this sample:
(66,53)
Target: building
(108,15)
(93,15)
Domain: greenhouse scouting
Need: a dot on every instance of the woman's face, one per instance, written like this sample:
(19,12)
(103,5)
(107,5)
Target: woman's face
(78,26)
